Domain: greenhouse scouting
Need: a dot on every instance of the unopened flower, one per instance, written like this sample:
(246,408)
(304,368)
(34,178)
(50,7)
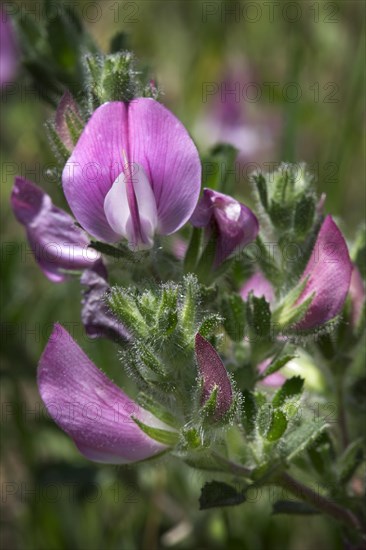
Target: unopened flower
(233,223)
(134,172)
(328,275)
(92,410)
(214,375)
(57,243)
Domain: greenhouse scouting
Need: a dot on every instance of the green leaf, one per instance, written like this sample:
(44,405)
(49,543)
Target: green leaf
(123,305)
(264,419)
(194,247)
(167,317)
(300,437)
(278,425)
(149,404)
(122,252)
(148,358)
(190,302)
(304,215)
(261,188)
(215,494)
(258,314)
(208,409)
(276,365)
(292,507)
(166,437)
(249,411)
(233,309)
(291,388)
(209,325)
(352,457)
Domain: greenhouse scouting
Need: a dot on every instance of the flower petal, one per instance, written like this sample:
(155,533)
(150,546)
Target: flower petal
(119,214)
(235,223)
(92,410)
(213,372)
(95,163)
(329,270)
(357,293)
(147,134)
(57,243)
(97,319)
(259,286)
(161,144)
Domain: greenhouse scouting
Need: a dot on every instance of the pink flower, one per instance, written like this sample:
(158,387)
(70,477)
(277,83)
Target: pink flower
(57,243)
(134,172)
(92,410)
(329,274)
(234,223)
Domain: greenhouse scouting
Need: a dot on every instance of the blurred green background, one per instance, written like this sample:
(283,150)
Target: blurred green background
(51,497)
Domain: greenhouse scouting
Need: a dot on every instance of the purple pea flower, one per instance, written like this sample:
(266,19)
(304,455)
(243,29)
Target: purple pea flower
(234,223)
(92,410)
(9,50)
(259,286)
(214,374)
(329,272)
(57,243)
(134,172)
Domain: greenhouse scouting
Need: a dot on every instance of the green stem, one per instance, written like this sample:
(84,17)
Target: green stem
(319,502)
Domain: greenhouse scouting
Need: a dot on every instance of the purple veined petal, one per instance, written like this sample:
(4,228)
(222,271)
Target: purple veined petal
(235,223)
(357,294)
(9,49)
(144,133)
(92,410)
(161,144)
(97,319)
(213,373)
(57,243)
(259,286)
(67,104)
(95,163)
(273,380)
(329,270)
(140,232)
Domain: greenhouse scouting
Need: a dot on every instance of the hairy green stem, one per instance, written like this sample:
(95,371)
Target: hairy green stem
(319,502)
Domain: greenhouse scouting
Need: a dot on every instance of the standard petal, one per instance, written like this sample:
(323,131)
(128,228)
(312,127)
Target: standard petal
(96,162)
(92,410)
(97,319)
(213,372)
(161,144)
(329,270)
(57,243)
(259,286)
